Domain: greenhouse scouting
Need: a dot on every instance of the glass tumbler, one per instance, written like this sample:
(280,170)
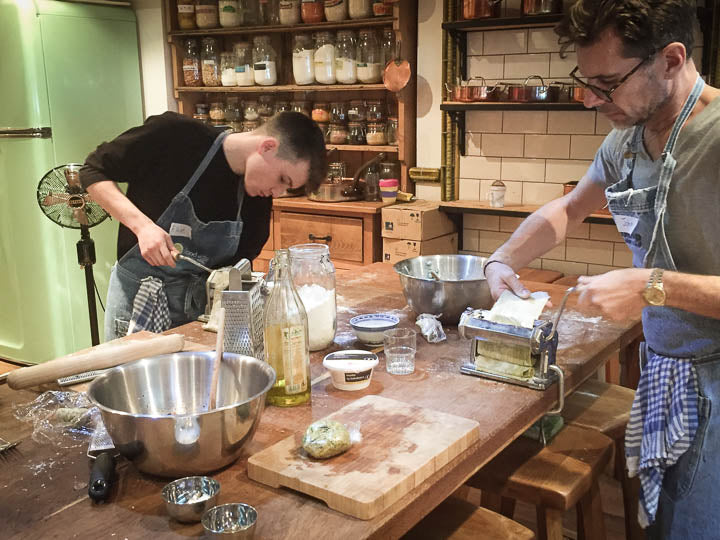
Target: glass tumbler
(400,345)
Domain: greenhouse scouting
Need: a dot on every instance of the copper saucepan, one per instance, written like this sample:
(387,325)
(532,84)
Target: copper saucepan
(459,92)
(484,92)
(524,93)
(480,9)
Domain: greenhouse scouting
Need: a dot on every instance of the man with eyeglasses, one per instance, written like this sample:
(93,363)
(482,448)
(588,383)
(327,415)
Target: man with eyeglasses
(659,172)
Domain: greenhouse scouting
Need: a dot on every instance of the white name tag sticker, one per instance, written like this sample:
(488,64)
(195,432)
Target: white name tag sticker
(180,229)
(625,224)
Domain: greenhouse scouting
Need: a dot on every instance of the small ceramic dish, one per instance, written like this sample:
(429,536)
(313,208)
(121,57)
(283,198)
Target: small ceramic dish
(187,499)
(369,328)
(350,370)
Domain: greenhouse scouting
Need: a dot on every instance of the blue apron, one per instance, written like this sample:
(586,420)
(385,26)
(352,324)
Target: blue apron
(212,244)
(640,215)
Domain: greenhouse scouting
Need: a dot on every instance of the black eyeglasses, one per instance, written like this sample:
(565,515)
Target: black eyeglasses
(606,95)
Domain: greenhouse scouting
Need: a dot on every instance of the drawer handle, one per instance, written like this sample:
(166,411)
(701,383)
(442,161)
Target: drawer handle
(313,238)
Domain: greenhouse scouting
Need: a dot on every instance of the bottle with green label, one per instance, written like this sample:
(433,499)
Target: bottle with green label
(286,338)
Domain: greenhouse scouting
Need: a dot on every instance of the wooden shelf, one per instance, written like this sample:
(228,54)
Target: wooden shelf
(456,106)
(277,29)
(503,23)
(282,88)
(362,148)
(511,210)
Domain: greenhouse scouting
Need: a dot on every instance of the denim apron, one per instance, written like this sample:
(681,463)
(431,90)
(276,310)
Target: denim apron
(212,244)
(640,215)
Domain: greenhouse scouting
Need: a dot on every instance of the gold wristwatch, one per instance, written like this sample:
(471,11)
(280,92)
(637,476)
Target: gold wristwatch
(654,293)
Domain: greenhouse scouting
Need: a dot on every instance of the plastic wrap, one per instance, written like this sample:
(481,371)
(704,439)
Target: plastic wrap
(430,328)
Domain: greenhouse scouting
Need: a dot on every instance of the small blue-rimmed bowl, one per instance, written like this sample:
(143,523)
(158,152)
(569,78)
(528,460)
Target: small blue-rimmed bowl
(369,328)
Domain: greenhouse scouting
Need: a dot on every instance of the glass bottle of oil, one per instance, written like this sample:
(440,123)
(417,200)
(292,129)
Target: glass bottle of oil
(286,338)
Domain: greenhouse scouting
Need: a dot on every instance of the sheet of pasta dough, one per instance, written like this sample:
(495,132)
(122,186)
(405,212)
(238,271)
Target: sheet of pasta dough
(511,309)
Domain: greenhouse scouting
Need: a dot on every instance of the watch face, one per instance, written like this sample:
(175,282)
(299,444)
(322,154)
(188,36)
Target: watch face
(655,296)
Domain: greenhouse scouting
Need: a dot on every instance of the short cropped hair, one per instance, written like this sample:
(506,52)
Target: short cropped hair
(299,138)
(644,26)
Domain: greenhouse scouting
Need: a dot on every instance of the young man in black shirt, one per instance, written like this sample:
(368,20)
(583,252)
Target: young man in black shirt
(196,185)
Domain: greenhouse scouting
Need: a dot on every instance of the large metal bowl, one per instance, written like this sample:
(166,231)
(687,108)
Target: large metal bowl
(461,284)
(156,410)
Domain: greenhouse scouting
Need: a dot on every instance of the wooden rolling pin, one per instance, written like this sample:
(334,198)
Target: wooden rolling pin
(100,357)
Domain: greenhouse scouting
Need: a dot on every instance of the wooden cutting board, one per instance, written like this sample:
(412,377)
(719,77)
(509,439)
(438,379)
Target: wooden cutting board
(402,445)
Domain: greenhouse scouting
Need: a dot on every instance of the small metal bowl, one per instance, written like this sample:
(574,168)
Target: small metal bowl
(234,520)
(188,498)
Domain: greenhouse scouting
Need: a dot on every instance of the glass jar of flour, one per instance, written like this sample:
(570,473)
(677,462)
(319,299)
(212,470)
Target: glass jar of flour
(313,274)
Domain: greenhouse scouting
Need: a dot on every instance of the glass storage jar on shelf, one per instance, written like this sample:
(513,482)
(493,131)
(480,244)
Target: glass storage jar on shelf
(359,9)
(250,12)
(336,10)
(312,11)
(321,112)
(289,11)
(206,14)
(356,111)
(250,110)
(381,8)
(186,14)
(300,106)
(303,53)
(233,109)
(325,129)
(375,134)
(217,110)
(369,70)
(372,184)
(250,125)
(375,111)
(282,106)
(324,58)
(228,61)
(192,73)
(266,106)
(210,62)
(230,13)
(338,134)
(387,46)
(201,112)
(244,75)
(313,275)
(287,342)
(346,57)
(264,61)
(356,133)
(268,12)
(389,170)
(337,170)
(392,131)
(338,112)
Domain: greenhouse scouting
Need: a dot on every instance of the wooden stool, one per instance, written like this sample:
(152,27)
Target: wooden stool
(553,478)
(605,408)
(457,519)
(540,276)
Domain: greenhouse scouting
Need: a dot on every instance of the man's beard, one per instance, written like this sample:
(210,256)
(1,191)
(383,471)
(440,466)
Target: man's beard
(644,115)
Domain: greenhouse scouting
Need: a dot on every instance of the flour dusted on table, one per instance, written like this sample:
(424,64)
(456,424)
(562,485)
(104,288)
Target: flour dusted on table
(321,313)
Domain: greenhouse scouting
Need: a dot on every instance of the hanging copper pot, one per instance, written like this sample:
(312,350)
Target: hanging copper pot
(481,9)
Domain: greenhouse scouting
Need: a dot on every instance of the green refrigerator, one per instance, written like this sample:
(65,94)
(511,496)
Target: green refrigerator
(70,77)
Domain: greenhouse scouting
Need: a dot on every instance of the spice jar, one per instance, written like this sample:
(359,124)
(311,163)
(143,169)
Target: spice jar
(338,134)
(227,69)
(375,111)
(497,194)
(289,12)
(250,125)
(250,110)
(233,113)
(324,57)
(324,127)
(264,61)
(369,69)
(201,112)
(217,110)
(321,112)
(312,11)
(301,107)
(359,9)
(266,106)
(186,14)
(210,62)
(375,134)
(313,275)
(281,106)
(392,131)
(230,13)
(268,12)
(303,52)
(387,46)
(356,111)
(346,57)
(206,14)
(381,9)
(192,74)
(338,112)
(336,10)
(244,75)
(356,133)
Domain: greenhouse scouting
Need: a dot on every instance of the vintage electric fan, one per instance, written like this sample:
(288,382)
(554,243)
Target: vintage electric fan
(64,201)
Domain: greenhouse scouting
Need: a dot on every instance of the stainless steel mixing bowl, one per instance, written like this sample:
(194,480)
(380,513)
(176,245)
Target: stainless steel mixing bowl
(156,410)
(458,283)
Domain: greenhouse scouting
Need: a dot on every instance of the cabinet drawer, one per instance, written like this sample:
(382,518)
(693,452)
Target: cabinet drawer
(346,234)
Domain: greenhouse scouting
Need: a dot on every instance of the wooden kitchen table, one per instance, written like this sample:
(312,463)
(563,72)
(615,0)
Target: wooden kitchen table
(44,488)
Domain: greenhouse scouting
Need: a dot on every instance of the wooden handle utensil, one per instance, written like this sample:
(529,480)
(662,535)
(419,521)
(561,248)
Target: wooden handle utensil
(103,356)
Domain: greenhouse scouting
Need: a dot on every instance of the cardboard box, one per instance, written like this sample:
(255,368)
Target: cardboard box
(419,220)
(397,249)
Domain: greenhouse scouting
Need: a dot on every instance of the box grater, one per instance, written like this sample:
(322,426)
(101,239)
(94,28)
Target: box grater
(244,304)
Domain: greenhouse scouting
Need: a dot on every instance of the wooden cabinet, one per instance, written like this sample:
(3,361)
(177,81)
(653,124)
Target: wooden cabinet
(350,229)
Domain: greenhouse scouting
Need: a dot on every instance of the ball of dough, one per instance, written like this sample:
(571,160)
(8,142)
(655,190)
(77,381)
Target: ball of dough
(326,438)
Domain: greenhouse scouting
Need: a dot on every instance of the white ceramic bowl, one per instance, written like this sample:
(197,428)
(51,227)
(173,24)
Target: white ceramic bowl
(352,369)
(369,328)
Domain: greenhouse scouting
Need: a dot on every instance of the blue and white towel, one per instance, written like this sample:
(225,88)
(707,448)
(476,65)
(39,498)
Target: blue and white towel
(663,423)
(150,308)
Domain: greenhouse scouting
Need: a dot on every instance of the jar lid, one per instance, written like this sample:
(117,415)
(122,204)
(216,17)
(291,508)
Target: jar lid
(498,183)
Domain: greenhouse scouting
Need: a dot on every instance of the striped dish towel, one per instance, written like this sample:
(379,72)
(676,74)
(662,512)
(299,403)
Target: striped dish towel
(663,423)
(150,307)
